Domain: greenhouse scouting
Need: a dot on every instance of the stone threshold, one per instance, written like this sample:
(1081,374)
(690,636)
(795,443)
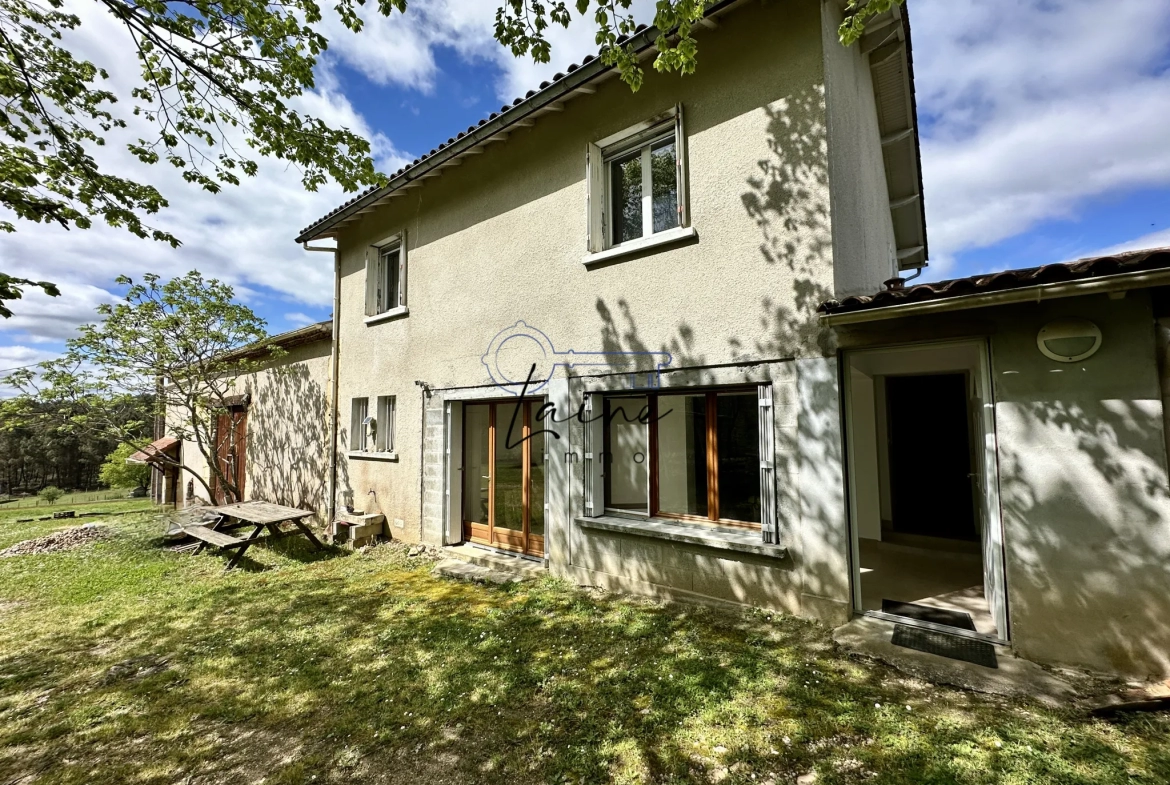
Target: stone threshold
(716,537)
(495,560)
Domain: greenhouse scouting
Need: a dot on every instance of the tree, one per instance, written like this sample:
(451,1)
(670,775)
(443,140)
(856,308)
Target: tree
(176,343)
(117,473)
(51,493)
(10,289)
(214,87)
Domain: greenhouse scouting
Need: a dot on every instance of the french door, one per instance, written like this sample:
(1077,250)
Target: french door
(503,476)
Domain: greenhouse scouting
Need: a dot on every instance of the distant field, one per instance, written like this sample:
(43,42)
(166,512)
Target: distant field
(87,497)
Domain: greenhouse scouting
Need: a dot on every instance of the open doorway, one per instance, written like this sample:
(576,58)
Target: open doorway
(927,542)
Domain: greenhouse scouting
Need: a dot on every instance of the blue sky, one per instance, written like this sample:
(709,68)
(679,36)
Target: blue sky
(1044,140)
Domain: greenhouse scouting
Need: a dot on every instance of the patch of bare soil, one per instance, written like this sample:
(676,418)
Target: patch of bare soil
(64,540)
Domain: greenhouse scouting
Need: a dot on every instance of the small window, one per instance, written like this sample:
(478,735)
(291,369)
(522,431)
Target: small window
(359,412)
(385,432)
(386,277)
(637,183)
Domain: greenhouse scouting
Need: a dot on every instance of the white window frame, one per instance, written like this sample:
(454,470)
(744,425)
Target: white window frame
(598,156)
(359,409)
(385,415)
(378,309)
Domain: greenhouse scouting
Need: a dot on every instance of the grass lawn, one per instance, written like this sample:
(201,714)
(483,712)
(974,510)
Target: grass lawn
(321,668)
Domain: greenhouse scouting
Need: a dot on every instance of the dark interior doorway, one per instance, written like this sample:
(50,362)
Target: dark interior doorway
(930,456)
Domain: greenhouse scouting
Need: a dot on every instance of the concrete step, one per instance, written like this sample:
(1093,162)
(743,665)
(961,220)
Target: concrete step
(474,573)
(525,568)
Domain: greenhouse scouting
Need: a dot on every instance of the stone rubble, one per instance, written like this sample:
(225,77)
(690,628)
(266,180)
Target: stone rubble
(64,540)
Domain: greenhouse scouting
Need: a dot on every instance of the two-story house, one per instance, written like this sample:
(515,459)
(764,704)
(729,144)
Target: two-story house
(634,338)
(585,330)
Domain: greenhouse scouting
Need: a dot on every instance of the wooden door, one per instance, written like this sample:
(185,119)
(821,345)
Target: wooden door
(231,432)
(503,476)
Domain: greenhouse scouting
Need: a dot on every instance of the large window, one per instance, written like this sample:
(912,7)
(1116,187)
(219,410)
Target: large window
(386,279)
(689,455)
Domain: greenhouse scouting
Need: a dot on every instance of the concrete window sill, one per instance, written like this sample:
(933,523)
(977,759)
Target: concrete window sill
(716,537)
(640,245)
(372,456)
(386,316)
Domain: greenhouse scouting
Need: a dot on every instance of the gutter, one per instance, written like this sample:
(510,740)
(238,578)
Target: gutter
(542,99)
(1028,294)
(334,364)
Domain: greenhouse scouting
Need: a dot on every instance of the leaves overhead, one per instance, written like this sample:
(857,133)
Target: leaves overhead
(13,288)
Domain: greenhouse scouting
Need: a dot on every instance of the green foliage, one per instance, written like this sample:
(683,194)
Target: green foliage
(521,26)
(175,344)
(51,493)
(215,81)
(117,473)
(10,289)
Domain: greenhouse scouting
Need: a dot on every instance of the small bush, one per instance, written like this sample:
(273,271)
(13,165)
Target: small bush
(51,493)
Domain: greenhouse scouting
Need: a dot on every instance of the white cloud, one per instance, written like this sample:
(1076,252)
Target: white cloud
(300,319)
(1160,239)
(1032,108)
(242,235)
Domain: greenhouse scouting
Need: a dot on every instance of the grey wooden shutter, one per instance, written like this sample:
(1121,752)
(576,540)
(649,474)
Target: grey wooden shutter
(593,462)
(768,519)
(402,272)
(371,283)
(680,152)
(594,199)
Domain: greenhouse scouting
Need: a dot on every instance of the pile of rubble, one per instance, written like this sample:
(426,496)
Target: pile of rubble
(64,540)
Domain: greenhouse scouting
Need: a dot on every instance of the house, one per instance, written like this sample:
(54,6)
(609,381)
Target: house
(585,329)
(659,342)
(1006,454)
(273,437)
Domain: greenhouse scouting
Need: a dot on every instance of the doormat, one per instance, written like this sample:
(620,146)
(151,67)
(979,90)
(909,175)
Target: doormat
(951,646)
(912,610)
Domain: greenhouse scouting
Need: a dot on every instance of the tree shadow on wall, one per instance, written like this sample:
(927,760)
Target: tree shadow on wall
(1087,529)
(288,447)
(788,199)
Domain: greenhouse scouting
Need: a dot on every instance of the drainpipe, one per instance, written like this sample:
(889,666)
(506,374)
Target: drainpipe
(334,363)
(422,452)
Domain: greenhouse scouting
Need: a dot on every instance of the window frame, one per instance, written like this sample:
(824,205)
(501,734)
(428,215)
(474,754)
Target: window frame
(359,409)
(599,208)
(379,308)
(711,442)
(385,408)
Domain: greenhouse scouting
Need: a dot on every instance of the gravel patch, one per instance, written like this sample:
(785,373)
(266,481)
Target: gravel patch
(64,540)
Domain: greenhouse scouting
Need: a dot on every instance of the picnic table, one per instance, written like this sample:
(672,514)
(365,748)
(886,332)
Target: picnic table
(260,515)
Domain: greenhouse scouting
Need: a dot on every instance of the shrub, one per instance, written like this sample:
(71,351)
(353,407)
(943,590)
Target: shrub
(116,473)
(51,493)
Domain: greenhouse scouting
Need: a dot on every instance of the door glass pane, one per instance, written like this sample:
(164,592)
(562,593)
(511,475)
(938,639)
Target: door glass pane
(626,197)
(536,470)
(738,438)
(682,454)
(475,463)
(626,465)
(509,467)
(664,183)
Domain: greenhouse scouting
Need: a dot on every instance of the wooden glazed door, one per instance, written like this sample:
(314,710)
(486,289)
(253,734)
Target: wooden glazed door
(503,476)
(231,431)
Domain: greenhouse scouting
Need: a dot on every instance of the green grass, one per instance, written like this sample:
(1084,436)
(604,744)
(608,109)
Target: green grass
(66,501)
(318,668)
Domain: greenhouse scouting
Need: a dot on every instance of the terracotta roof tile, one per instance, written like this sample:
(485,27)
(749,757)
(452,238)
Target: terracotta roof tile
(986,283)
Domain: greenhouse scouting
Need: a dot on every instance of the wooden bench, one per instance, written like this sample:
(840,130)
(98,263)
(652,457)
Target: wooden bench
(208,536)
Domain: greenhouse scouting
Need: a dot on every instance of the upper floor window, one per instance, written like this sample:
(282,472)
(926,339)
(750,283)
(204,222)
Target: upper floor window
(637,186)
(386,278)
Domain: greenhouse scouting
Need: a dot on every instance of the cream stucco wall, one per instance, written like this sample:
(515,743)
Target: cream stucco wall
(287,453)
(501,238)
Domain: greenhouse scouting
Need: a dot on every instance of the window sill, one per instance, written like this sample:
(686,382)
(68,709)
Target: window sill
(716,537)
(641,244)
(372,456)
(386,316)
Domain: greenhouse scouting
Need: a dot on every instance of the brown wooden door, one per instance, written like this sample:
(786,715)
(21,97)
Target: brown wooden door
(503,474)
(231,441)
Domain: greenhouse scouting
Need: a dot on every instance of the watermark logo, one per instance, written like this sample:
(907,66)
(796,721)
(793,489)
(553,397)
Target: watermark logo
(521,360)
